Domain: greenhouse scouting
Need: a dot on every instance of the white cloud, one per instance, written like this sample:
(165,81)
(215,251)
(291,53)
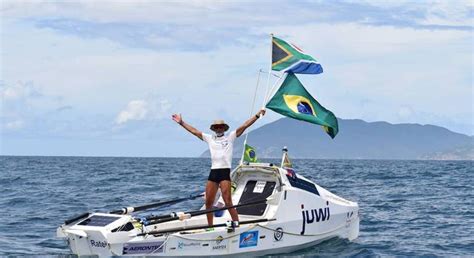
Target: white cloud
(449,13)
(135,110)
(15,125)
(165,106)
(425,69)
(18,90)
(405,112)
(122,11)
(433,12)
(19,100)
(395,72)
(79,67)
(389,65)
(10,93)
(219,14)
(153,108)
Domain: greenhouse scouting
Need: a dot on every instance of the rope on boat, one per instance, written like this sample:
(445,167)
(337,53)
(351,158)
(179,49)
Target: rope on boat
(214,239)
(298,234)
(161,246)
(264,227)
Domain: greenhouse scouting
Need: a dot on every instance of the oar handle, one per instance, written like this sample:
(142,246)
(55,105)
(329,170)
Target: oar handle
(127,210)
(153,205)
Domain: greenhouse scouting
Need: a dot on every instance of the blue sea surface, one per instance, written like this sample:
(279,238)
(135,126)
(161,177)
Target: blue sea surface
(408,208)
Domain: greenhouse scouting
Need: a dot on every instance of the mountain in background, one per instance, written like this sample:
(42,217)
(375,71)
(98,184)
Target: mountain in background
(357,139)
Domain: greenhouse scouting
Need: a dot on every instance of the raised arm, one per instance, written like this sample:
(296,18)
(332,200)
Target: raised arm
(249,122)
(178,119)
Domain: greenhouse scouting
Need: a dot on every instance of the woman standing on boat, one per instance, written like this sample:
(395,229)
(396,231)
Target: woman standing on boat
(221,147)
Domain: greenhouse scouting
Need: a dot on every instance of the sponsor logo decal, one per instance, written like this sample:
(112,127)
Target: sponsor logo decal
(314,215)
(102,244)
(278,235)
(182,245)
(143,248)
(259,186)
(248,239)
(219,247)
(219,244)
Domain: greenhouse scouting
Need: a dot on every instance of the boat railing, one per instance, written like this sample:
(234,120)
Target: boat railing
(257,169)
(265,168)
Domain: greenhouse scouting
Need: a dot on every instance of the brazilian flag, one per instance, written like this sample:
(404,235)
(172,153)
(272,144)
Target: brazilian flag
(294,101)
(249,154)
(287,57)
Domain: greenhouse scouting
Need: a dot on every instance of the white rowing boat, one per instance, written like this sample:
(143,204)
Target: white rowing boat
(280,211)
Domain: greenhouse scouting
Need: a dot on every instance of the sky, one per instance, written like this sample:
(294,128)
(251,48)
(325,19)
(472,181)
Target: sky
(102,78)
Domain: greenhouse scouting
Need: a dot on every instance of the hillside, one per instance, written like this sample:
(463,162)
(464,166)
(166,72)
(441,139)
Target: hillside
(357,139)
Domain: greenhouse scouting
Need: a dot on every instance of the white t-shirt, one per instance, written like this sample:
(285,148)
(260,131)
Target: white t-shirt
(221,149)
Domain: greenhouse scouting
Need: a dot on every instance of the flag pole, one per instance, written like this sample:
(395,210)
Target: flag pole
(267,97)
(251,111)
(269,71)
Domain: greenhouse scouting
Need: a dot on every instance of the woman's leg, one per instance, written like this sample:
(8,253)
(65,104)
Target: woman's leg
(211,190)
(225,186)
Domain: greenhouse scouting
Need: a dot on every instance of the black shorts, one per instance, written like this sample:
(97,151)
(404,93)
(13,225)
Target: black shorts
(219,174)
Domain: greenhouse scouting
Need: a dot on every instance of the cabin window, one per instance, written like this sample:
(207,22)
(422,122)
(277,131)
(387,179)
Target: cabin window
(302,184)
(255,191)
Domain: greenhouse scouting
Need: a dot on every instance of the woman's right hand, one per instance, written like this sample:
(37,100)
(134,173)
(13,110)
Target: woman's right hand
(177,118)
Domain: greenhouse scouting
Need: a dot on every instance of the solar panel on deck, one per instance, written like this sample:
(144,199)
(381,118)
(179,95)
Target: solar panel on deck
(98,221)
(253,193)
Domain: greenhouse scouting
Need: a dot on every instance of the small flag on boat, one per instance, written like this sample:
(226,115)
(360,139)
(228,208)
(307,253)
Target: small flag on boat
(294,101)
(287,57)
(286,162)
(249,154)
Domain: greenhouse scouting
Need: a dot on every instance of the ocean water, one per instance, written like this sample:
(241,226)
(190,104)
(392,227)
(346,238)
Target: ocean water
(408,208)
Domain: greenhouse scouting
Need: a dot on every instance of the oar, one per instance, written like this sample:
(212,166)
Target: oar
(127,210)
(179,229)
(187,215)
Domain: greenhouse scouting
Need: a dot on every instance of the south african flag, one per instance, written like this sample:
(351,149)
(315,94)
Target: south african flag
(287,57)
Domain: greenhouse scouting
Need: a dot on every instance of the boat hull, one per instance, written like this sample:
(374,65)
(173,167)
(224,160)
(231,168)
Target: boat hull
(258,239)
(297,214)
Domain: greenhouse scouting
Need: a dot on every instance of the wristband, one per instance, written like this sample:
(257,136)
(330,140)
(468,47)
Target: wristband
(257,116)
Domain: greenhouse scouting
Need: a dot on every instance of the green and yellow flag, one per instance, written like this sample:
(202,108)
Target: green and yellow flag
(286,162)
(249,154)
(294,101)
